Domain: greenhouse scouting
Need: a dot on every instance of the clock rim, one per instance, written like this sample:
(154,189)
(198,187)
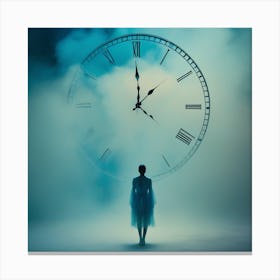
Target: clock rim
(190,61)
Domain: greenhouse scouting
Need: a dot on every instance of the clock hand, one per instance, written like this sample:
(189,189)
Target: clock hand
(136,72)
(138,94)
(138,87)
(138,104)
(147,114)
(152,90)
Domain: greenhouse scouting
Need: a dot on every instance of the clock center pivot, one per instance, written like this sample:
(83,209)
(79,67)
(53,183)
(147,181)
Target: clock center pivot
(137,106)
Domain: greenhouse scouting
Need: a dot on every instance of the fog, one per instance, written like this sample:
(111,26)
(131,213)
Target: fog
(74,206)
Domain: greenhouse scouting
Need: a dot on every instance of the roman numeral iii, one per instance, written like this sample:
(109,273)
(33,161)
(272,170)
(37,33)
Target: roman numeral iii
(193,106)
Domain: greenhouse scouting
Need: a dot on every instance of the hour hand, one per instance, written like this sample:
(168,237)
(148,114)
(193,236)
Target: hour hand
(152,90)
(138,87)
(136,73)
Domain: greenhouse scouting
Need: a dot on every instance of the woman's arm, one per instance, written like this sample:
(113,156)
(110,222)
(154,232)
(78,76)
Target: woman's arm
(149,189)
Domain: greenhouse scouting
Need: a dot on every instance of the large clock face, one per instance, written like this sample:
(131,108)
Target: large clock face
(140,99)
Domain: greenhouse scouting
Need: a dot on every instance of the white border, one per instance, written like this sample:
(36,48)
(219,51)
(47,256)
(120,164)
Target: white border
(17,16)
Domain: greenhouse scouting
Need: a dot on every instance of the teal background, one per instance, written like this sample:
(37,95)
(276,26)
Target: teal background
(204,206)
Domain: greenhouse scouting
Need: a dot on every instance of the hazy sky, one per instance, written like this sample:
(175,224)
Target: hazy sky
(212,188)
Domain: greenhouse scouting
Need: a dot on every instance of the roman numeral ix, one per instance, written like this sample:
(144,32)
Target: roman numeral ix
(83,105)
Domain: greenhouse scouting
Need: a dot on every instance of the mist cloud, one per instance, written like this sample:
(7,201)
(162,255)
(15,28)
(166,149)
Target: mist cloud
(63,183)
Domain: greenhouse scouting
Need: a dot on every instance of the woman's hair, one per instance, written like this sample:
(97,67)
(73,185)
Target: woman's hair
(142,169)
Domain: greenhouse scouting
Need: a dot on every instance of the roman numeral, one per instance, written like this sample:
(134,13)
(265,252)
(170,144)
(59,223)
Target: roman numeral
(193,106)
(105,154)
(89,75)
(83,105)
(184,136)
(109,56)
(165,160)
(183,76)
(136,48)
(164,56)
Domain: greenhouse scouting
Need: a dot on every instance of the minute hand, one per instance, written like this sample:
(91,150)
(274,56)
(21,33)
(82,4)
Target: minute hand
(152,90)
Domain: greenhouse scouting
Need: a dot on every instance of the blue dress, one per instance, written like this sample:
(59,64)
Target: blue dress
(142,202)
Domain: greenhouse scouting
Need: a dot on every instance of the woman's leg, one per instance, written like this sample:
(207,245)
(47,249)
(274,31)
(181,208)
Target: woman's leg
(139,227)
(139,232)
(144,233)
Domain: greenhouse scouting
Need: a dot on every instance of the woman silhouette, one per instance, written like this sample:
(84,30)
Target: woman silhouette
(142,204)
